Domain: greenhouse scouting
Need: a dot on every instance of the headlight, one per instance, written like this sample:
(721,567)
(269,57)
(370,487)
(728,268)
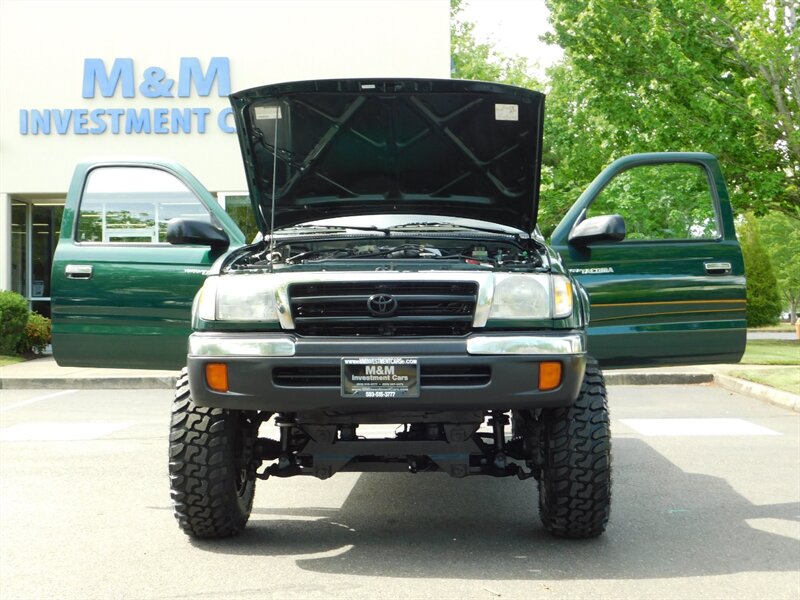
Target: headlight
(534,296)
(521,297)
(238,298)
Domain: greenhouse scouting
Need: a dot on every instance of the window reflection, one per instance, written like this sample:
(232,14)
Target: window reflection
(661,202)
(133,205)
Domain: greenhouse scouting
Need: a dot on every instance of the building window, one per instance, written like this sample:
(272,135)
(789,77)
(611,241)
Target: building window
(34,236)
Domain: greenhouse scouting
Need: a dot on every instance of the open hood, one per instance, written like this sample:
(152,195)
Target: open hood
(360,147)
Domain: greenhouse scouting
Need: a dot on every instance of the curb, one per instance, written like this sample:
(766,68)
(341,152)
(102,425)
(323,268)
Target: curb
(88,383)
(633,378)
(168,381)
(759,391)
(740,386)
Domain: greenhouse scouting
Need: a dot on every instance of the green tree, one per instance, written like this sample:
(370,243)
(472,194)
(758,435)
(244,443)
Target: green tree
(763,301)
(575,149)
(481,61)
(721,76)
(780,235)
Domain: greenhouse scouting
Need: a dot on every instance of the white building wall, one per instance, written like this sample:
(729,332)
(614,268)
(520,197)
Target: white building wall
(44,45)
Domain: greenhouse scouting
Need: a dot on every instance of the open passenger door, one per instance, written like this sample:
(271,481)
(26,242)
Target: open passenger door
(673,290)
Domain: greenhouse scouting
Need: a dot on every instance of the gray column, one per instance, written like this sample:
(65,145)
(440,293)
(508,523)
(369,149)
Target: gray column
(5,242)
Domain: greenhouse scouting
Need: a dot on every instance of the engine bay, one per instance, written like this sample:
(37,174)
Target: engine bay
(471,252)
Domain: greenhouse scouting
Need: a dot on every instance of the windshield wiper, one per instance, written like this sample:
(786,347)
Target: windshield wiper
(310,228)
(445,224)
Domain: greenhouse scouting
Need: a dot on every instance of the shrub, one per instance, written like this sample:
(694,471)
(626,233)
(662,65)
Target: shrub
(763,301)
(37,334)
(13,317)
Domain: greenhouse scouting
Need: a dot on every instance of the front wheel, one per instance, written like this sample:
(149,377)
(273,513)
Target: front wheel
(211,493)
(575,485)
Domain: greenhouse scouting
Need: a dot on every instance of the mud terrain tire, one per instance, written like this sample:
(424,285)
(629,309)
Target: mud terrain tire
(211,495)
(575,486)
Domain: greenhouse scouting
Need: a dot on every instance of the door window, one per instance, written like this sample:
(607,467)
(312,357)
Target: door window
(133,205)
(239,207)
(661,202)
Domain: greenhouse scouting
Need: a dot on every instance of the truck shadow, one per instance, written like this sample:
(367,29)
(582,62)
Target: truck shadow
(665,523)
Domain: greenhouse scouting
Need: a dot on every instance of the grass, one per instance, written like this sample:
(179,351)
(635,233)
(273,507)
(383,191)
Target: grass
(778,377)
(782,327)
(772,352)
(9,360)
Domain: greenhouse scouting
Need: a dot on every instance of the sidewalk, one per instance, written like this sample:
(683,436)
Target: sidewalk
(44,373)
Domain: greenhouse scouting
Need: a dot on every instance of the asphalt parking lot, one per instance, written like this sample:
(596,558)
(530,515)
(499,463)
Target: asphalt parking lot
(706,505)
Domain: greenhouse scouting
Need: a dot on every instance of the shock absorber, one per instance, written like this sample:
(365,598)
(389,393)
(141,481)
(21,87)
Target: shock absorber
(498,421)
(285,422)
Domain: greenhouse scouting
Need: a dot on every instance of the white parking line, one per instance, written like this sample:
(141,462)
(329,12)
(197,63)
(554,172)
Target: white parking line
(696,427)
(36,399)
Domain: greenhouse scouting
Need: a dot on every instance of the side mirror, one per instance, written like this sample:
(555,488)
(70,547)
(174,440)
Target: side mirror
(193,232)
(608,228)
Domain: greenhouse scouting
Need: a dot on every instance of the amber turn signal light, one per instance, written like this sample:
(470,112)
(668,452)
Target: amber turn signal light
(549,375)
(217,376)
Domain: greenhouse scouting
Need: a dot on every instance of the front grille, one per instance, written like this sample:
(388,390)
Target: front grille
(418,308)
(430,375)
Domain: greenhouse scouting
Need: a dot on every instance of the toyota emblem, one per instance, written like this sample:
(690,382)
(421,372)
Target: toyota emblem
(382,305)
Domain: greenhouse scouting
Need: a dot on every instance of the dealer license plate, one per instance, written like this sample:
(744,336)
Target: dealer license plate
(374,377)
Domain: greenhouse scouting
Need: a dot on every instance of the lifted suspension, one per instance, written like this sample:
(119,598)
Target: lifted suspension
(455,448)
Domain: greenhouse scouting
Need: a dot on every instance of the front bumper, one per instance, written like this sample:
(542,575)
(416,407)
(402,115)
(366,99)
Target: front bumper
(288,373)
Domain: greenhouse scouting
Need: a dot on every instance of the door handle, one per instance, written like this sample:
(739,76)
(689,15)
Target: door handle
(717,268)
(78,271)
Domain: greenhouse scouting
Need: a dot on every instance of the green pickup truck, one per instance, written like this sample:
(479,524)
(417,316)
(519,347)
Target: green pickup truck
(399,278)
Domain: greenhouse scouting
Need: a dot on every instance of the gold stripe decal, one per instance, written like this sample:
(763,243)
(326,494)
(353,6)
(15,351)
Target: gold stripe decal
(660,314)
(674,302)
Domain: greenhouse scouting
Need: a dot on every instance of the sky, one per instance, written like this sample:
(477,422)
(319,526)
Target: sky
(514,27)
